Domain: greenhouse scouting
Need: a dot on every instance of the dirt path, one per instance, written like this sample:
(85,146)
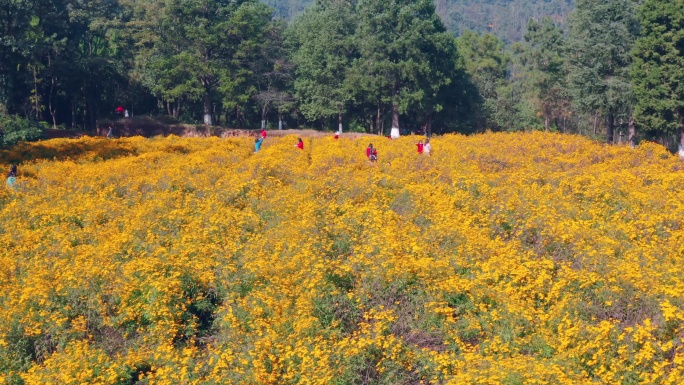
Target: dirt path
(149,127)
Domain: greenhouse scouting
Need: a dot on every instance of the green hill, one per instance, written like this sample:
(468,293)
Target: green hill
(505,18)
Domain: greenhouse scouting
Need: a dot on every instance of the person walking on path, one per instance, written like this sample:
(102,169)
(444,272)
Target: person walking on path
(110,133)
(300,144)
(12,176)
(420,146)
(427,147)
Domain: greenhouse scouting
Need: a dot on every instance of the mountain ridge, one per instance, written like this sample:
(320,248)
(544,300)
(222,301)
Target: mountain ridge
(506,19)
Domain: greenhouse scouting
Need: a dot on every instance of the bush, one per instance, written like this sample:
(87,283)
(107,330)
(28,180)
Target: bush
(15,129)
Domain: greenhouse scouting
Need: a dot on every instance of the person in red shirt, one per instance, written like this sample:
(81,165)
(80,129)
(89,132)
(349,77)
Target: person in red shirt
(300,144)
(369,150)
(337,136)
(420,146)
(263,133)
(374,155)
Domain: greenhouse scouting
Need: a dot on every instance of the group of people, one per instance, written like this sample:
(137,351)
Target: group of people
(423,148)
(262,136)
(259,140)
(371,152)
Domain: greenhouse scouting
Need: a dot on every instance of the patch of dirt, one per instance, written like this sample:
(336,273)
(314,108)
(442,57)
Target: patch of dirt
(148,127)
(54,134)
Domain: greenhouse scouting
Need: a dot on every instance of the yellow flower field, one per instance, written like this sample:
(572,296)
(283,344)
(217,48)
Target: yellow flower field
(502,259)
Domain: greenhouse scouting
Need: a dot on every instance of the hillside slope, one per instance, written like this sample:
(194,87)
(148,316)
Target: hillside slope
(504,18)
(503,258)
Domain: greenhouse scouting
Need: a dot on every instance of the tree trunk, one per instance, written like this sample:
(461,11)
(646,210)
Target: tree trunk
(565,122)
(339,123)
(632,132)
(379,120)
(428,126)
(546,123)
(53,85)
(264,110)
(240,117)
(36,95)
(610,128)
(280,121)
(218,111)
(73,114)
(208,109)
(176,109)
(372,125)
(395,121)
(90,107)
(595,123)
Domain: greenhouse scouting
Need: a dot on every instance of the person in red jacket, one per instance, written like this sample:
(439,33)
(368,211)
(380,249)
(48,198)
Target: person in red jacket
(263,133)
(300,144)
(369,150)
(374,155)
(420,146)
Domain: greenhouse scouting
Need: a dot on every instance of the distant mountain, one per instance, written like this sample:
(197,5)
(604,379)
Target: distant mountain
(504,18)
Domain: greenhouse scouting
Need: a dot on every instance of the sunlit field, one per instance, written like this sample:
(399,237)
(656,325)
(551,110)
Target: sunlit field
(500,259)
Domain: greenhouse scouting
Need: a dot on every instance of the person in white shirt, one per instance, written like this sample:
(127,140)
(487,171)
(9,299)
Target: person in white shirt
(427,147)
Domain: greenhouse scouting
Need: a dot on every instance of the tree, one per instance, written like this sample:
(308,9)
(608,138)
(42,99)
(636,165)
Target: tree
(658,69)
(323,52)
(544,57)
(201,49)
(274,76)
(399,43)
(601,36)
(485,60)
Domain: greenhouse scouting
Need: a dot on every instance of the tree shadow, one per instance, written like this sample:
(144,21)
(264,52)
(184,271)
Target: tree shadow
(73,149)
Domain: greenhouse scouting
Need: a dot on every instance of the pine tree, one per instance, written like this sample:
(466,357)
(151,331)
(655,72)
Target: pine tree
(544,56)
(658,68)
(602,34)
(485,60)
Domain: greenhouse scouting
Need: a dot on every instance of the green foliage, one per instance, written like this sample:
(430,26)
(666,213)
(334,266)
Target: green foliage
(505,19)
(323,53)
(485,60)
(406,56)
(200,50)
(658,67)
(544,56)
(601,37)
(369,63)
(15,129)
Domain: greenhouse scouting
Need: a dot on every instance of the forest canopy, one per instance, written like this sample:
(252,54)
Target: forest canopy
(604,69)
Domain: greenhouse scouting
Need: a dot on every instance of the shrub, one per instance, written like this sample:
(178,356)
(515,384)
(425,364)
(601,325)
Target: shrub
(14,129)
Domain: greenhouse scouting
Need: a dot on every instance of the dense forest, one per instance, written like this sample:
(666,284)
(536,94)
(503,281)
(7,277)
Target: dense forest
(610,68)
